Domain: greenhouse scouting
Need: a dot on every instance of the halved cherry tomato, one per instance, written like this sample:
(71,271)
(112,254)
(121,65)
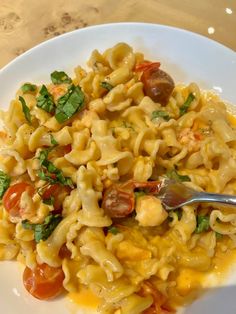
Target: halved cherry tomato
(157,84)
(58,192)
(11,199)
(141,67)
(118,200)
(64,252)
(150,187)
(43,282)
(117,203)
(67,148)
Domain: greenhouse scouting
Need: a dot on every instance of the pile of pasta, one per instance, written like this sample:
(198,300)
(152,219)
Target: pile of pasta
(66,143)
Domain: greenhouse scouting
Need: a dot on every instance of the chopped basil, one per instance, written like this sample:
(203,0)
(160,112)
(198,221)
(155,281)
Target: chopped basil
(44,230)
(127,125)
(25,109)
(69,104)
(173,174)
(5,181)
(160,114)
(112,229)
(177,211)
(219,235)
(49,172)
(27,87)
(49,201)
(45,100)
(59,77)
(106,86)
(139,193)
(203,223)
(53,141)
(184,108)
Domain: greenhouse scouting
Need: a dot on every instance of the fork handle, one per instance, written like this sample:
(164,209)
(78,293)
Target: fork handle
(216,198)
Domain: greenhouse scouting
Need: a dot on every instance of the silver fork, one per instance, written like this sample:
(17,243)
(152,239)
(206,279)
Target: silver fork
(175,194)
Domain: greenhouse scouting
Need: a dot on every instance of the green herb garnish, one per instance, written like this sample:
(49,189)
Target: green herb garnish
(45,100)
(160,114)
(25,109)
(53,141)
(49,201)
(219,235)
(127,125)
(44,230)
(5,181)
(27,87)
(59,77)
(184,108)
(173,174)
(69,104)
(51,173)
(203,223)
(106,85)
(139,193)
(112,229)
(177,211)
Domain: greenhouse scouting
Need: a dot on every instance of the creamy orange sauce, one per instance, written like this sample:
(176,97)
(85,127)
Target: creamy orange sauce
(85,298)
(232,119)
(193,282)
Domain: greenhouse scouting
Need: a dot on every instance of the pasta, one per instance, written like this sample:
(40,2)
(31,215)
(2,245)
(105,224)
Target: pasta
(81,160)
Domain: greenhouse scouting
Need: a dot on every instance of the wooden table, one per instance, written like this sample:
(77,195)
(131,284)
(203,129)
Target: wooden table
(25,23)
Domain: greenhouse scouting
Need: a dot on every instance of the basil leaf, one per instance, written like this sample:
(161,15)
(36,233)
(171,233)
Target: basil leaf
(173,174)
(27,225)
(106,85)
(184,108)
(45,100)
(160,114)
(51,173)
(203,223)
(44,230)
(27,87)
(53,141)
(69,104)
(25,109)
(218,235)
(112,229)
(49,201)
(59,77)
(5,181)
(127,125)
(139,193)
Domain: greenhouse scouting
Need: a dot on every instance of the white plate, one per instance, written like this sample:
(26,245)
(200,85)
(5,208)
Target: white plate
(186,56)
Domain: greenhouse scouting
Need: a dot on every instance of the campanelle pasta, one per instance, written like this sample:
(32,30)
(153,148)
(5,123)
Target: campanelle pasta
(81,160)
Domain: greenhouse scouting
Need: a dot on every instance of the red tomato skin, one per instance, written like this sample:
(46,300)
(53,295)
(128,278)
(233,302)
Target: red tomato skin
(44,282)
(11,198)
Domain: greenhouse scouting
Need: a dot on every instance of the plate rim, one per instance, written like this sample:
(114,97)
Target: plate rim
(116,24)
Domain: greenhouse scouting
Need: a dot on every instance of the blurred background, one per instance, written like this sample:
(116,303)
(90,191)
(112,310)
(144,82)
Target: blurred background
(26,23)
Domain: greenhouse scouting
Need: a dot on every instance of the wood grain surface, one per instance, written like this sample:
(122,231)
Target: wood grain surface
(25,23)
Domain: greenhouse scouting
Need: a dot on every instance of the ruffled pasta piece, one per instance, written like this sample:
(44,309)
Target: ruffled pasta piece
(142,168)
(12,162)
(48,251)
(116,99)
(89,188)
(8,247)
(135,304)
(95,277)
(119,76)
(107,145)
(119,56)
(223,223)
(72,203)
(95,248)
